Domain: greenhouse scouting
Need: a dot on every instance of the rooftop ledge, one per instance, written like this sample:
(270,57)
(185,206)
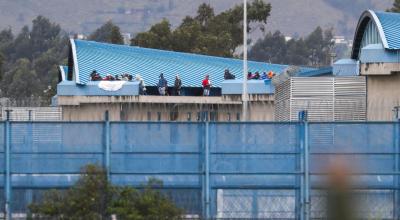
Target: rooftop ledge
(221,100)
(229,87)
(69,93)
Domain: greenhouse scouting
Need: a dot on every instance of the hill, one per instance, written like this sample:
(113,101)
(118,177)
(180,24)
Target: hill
(292,17)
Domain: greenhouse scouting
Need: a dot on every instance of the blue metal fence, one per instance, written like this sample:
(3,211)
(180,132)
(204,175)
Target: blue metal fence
(213,170)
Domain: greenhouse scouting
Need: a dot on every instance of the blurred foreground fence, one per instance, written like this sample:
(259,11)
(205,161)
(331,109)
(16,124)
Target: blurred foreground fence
(212,170)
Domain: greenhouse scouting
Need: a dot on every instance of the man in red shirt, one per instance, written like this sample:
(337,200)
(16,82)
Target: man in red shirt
(206,86)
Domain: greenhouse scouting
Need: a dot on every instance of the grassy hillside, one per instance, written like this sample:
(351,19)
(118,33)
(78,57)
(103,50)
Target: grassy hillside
(292,17)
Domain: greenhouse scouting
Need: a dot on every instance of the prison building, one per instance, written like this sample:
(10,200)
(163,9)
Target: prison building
(377,49)
(82,99)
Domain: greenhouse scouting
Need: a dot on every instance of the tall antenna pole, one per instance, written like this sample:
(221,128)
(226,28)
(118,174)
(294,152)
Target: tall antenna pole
(245,67)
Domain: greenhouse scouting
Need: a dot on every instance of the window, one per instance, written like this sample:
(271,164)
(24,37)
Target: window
(213,116)
(173,116)
(158,116)
(148,116)
(238,117)
(229,116)
(189,116)
(198,116)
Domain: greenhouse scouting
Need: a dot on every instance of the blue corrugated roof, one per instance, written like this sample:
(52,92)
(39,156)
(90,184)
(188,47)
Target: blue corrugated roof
(391,27)
(149,63)
(318,72)
(388,28)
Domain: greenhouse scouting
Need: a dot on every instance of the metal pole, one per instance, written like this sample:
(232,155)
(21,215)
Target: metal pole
(245,67)
(307,170)
(302,160)
(107,144)
(8,167)
(207,171)
(305,180)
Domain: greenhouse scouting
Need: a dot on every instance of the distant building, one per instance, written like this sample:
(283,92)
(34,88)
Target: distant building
(127,38)
(288,38)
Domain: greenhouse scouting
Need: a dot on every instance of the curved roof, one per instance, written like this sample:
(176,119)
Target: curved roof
(388,26)
(149,63)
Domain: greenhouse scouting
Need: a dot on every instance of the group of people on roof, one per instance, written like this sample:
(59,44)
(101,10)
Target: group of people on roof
(162,85)
(95,76)
(257,76)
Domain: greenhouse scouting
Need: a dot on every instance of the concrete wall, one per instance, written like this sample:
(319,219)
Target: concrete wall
(383,95)
(379,68)
(258,111)
(166,108)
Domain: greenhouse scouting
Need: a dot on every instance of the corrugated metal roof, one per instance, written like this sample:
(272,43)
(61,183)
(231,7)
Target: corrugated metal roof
(391,27)
(325,71)
(387,25)
(149,63)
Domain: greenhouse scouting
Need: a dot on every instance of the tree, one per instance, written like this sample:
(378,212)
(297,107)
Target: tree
(1,65)
(108,33)
(396,6)
(21,82)
(36,52)
(94,197)
(146,204)
(158,37)
(6,41)
(205,33)
(314,50)
(43,35)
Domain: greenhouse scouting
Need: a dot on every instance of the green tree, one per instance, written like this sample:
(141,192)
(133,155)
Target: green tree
(272,48)
(94,197)
(396,6)
(87,199)
(108,33)
(6,41)
(43,35)
(1,65)
(21,81)
(41,49)
(146,204)
(205,33)
(158,37)
(314,50)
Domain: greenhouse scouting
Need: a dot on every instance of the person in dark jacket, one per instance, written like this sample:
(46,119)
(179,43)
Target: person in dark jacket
(162,85)
(178,85)
(228,75)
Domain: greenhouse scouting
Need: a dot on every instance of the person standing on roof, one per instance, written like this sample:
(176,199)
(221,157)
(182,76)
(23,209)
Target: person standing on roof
(142,85)
(178,85)
(162,85)
(206,86)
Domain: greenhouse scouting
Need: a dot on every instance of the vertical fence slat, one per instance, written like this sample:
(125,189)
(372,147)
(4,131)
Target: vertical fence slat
(8,208)
(207,170)
(396,134)
(107,150)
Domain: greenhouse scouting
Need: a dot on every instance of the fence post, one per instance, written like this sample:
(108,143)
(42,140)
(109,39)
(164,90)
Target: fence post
(7,129)
(397,162)
(207,170)
(107,151)
(305,183)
